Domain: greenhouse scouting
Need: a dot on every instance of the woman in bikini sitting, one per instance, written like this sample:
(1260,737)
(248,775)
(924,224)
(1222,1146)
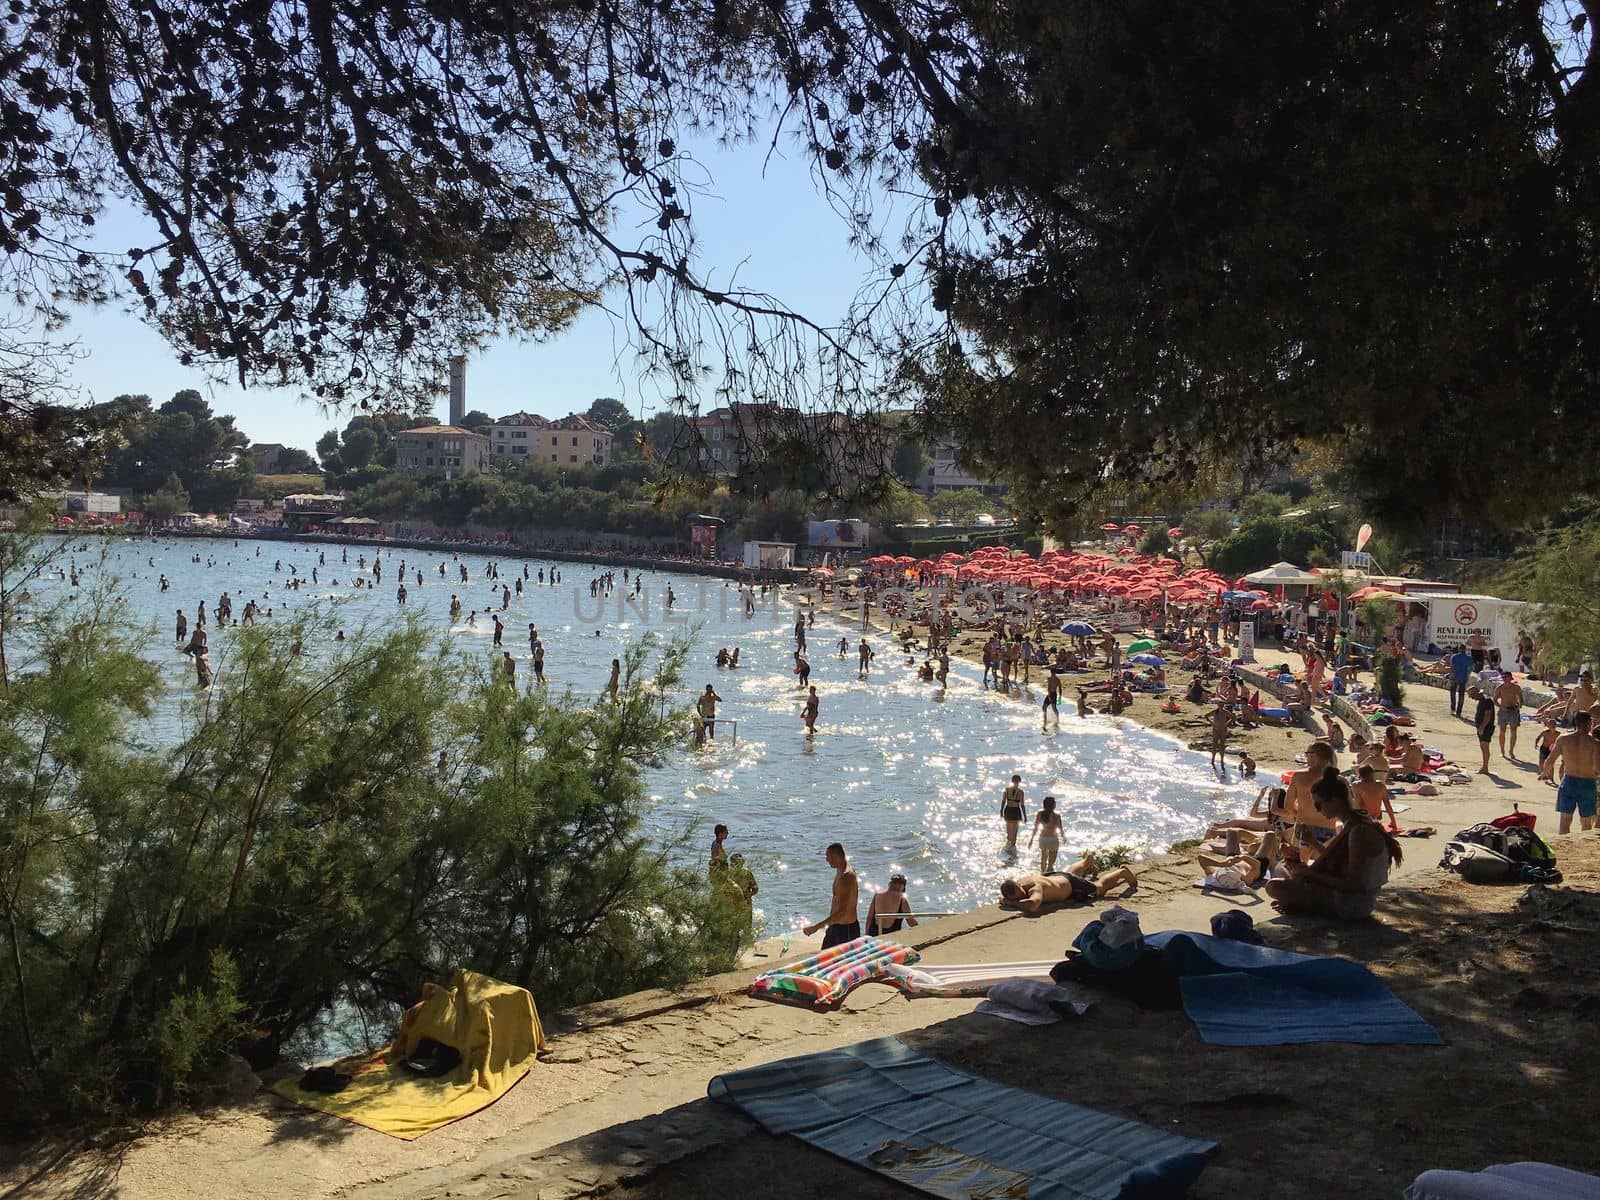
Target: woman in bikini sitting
(1353,867)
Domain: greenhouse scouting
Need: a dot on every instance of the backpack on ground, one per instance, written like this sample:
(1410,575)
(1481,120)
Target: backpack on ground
(1523,845)
(1478,864)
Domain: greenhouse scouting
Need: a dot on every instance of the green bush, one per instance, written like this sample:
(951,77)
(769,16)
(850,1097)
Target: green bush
(1155,541)
(1252,546)
(1299,542)
(332,829)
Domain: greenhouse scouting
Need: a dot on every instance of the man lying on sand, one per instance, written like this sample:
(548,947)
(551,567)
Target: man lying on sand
(1030,893)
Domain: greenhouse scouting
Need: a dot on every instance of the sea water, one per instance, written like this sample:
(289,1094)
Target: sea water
(908,776)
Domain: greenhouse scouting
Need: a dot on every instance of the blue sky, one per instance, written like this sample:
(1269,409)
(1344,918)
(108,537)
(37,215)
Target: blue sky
(763,216)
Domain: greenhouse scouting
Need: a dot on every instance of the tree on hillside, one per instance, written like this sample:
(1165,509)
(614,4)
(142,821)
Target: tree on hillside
(1194,238)
(1165,243)
(1252,546)
(1566,588)
(960,505)
(611,413)
(909,459)
(476,420)
(294,461)
(1204,529)
(167,501)
(181,437)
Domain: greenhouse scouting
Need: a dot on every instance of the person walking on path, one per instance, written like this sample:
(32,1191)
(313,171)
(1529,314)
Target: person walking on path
(1508,700)
(1013,810)
(1460,672)
(842,922)
(1579,756)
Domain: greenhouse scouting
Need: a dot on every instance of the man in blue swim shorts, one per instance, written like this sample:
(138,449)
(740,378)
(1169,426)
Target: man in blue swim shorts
(1579,755)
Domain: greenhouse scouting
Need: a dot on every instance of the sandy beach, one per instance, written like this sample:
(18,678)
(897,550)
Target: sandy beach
(621,1096)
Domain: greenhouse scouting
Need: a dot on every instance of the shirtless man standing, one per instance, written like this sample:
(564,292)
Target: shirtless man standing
(1582,698)
(842,919)
(1508,702)
(1579,755)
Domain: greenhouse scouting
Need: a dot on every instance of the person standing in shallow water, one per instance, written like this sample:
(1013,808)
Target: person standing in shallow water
(1013,810)
(1047,827)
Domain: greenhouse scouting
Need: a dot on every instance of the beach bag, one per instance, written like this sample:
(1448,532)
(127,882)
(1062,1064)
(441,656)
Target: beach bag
(1483,834)
(1478,864)
(1523,845)
(1514,819)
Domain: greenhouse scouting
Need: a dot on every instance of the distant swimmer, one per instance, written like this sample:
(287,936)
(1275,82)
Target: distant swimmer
(809,713)
(616,678)
(499,628)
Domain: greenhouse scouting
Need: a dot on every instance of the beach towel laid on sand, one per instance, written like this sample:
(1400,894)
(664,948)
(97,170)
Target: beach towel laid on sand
(1238,994)
(959,980)
(1506,1181)
(493,1025)
(886,1107)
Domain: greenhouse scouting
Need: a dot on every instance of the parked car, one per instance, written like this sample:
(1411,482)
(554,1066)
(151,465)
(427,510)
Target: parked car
(985,519)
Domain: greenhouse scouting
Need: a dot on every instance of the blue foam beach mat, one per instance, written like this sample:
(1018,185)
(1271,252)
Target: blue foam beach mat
(1243,995)
(915,1119)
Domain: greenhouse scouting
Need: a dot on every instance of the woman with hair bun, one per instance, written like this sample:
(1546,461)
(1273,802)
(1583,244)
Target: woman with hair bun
(1353,867)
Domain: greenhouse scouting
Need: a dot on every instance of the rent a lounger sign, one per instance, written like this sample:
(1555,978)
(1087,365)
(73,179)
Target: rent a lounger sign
(1454,619)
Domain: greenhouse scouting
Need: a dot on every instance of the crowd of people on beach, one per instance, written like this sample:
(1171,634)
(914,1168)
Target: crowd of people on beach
(1324,842)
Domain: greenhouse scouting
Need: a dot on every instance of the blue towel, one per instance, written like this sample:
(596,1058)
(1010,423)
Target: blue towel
(917,1120)
(1243,995)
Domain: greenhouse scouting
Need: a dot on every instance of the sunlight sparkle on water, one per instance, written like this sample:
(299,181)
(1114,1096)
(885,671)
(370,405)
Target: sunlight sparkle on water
(908,780)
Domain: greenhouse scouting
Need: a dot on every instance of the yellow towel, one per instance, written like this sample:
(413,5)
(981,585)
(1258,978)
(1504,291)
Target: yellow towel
(495,1026)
